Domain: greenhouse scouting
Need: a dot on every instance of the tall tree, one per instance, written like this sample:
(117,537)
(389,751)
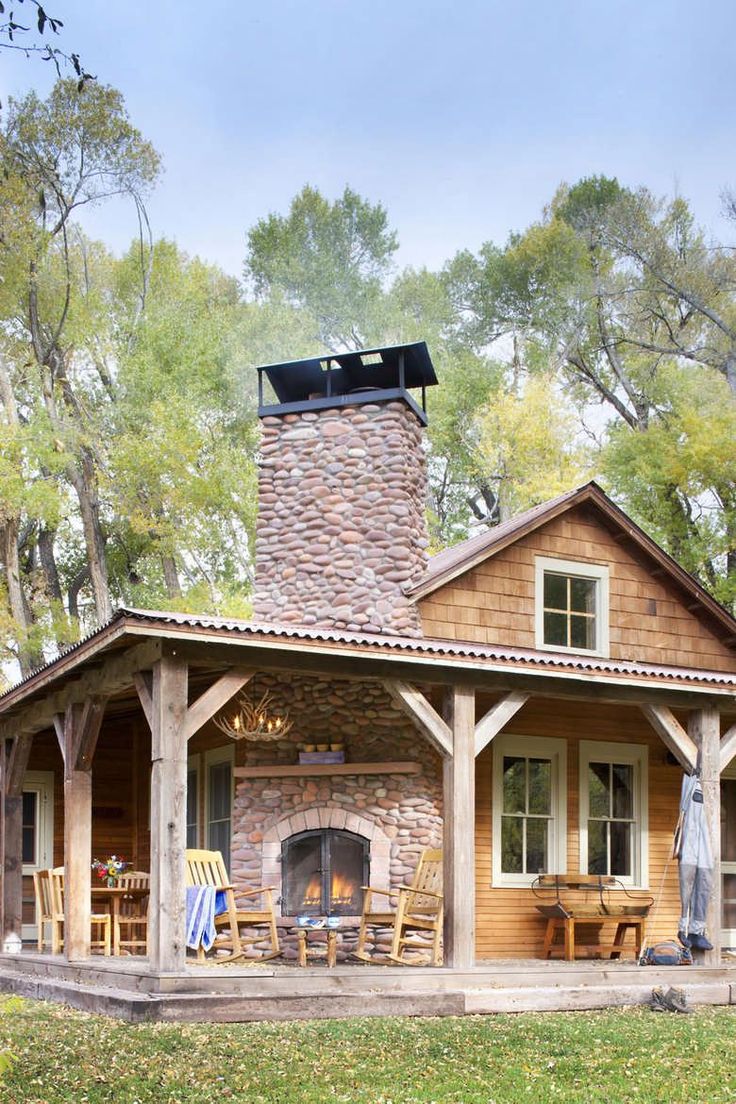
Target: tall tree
(66,152)
(330,258)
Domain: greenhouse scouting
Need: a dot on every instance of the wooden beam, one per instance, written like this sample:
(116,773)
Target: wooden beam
(705,730)
(167,903)
(316,660)
(207,704)
(16,764)
(672,734)
(489,726)
(143,682)
(115,674)
(412,702)
(459,831)
(213,699)
(90,722)
(728,746)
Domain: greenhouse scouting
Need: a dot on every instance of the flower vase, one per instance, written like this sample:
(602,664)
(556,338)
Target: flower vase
(111,882)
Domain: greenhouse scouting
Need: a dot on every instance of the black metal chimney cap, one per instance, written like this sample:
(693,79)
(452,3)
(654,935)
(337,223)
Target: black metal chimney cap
(393,367)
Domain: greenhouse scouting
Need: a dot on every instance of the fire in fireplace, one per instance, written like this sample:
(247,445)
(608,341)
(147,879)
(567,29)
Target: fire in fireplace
(322,873)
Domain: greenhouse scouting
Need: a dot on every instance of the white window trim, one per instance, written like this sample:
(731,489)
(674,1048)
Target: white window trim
(536,746)
(600,573)
(638,756)
(225,754)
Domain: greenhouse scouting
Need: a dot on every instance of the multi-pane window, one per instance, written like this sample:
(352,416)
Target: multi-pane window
(29,826)
(611,824)
(613,810)
(569,611)
(529,832)
(219,808)
(192,807)
(571,605)
(527,812)
(209,801)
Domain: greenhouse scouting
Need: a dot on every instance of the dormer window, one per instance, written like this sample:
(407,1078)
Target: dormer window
(571,606)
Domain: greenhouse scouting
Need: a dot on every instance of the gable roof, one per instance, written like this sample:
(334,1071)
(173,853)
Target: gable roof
(448,564)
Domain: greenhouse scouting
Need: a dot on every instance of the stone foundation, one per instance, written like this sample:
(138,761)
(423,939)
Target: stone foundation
(341,526)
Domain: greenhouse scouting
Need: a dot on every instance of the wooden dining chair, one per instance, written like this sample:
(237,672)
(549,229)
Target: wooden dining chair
(45,912)
(99,920)
(132,919)
(419,909)
(207,868)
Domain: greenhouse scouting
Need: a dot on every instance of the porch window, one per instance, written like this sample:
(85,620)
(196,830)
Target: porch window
(571,606)
(613,810)
(529,801)
(219,804)
(210,801)
(193,803)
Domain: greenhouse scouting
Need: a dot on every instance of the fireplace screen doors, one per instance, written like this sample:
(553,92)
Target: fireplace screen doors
(322,873)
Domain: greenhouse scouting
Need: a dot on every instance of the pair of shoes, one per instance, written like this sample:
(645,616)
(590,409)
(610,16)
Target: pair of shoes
(674,1000)
(684,938)
(699,942)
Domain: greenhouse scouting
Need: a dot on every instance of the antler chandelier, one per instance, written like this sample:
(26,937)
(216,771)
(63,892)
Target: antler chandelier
(255,721)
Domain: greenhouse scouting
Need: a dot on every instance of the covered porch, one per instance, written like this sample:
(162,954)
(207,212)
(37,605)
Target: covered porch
(123,724)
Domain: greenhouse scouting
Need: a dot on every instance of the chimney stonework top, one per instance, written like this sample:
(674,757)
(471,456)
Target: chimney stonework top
(341,528)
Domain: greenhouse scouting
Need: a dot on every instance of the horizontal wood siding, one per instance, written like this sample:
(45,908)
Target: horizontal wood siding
(494,602)
(507,923)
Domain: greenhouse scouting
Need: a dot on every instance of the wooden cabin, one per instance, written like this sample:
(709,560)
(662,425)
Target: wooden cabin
(526,700)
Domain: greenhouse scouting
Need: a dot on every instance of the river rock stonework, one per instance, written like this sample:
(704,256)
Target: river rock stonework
(401,814)
(341,528)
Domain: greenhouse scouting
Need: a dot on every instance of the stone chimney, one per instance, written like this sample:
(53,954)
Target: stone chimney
(341,490)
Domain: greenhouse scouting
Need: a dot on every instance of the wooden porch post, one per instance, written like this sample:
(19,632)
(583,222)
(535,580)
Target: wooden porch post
(705,731)
(15,759)
(77,860)
(167,903)
(77,732)
(459,830)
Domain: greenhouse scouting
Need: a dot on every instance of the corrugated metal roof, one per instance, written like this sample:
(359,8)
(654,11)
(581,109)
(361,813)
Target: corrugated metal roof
(436,647)
(514,658)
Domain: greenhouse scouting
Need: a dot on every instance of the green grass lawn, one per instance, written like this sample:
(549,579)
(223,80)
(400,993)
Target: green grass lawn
(612,1057)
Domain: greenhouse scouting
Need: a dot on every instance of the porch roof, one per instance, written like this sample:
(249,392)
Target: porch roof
(424,659)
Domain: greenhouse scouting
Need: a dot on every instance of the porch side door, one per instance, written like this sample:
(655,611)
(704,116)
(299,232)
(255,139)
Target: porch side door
(728,857)
(38,839)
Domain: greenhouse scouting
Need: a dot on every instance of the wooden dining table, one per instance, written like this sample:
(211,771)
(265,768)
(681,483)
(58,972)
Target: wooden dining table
(113,896)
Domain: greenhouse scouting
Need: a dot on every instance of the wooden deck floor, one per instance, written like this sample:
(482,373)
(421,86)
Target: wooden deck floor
(125,988)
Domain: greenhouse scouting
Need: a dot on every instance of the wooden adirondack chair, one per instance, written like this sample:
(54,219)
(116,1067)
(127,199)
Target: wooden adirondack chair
(49,886)
(419,909)
(208,868)
(132,919)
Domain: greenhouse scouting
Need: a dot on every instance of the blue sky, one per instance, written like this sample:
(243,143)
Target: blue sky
(461,117)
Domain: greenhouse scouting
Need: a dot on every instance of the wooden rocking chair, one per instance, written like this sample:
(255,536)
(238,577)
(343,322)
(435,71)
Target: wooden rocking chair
(419,909)
(207,868)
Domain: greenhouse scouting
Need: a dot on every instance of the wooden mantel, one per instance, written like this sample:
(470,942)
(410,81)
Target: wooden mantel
(302,770)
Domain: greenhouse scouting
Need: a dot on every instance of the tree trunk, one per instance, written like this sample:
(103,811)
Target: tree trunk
(47,558)
(171,577)
(28,657)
